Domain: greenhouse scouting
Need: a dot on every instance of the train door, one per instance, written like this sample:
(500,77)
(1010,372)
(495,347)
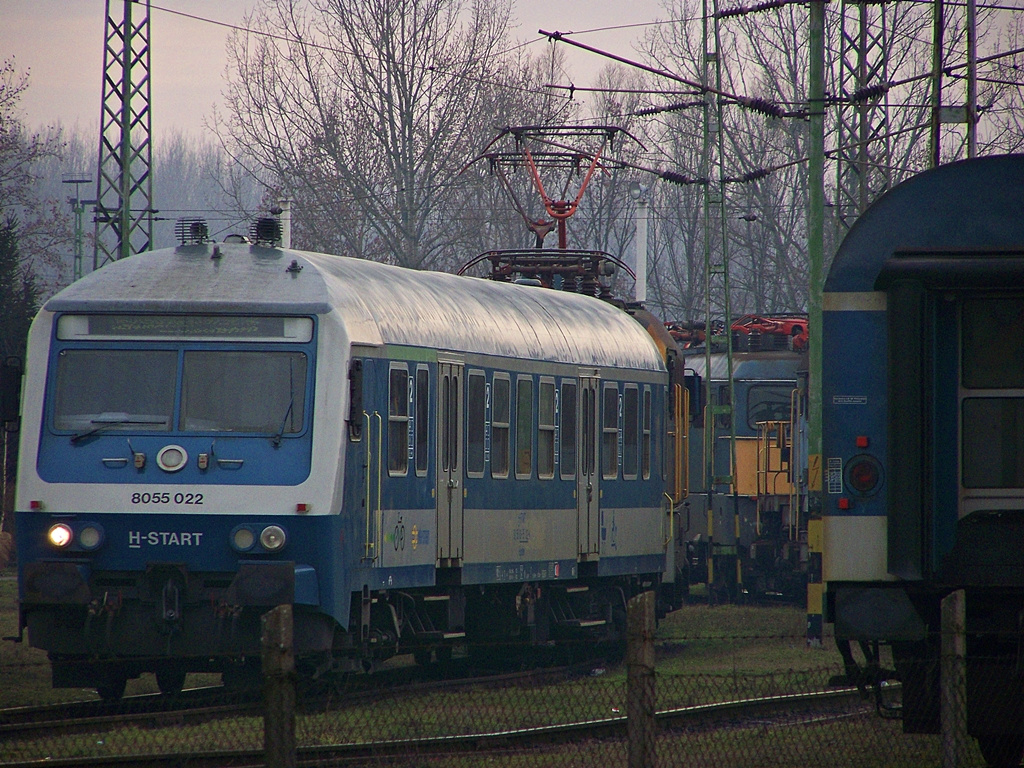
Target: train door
(587,489)
(449,464)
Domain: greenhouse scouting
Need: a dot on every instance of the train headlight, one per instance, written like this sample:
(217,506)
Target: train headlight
(242,538)
(863,475)
(60,535)
(272,538)
(171,458)
(90,537)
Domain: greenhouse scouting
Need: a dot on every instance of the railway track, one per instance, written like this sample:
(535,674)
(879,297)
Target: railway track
(199,705)
(833,704)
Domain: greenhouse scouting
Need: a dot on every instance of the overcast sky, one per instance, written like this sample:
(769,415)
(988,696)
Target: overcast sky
(61,43)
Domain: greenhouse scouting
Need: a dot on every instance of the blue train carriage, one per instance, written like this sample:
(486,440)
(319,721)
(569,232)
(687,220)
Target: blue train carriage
(753,544)
(923,391)
(412,460)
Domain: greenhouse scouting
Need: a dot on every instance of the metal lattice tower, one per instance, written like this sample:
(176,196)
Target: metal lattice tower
(124,187)
(718,306)
(954,128)
(863,166)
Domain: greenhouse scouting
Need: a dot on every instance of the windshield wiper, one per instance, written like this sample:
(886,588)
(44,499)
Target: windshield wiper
(102,424)
(276,439)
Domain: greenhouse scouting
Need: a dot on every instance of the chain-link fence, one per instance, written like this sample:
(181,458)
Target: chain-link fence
(726,688)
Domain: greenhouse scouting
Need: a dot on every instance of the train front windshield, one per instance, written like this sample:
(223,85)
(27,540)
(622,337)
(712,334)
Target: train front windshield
(257,391)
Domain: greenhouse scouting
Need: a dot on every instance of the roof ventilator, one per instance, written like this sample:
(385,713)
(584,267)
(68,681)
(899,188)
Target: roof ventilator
(266,231)
(191,230)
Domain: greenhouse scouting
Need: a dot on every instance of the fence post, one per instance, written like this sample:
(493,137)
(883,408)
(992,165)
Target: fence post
(278,688)
(640,705)
(953,679)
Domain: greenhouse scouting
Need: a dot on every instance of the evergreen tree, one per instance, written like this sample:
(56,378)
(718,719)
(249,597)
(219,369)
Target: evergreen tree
(19,295)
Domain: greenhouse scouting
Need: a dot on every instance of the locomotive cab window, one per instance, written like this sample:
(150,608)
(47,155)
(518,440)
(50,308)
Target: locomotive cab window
(122,389)
(398,420)
(768,403)
(229,391)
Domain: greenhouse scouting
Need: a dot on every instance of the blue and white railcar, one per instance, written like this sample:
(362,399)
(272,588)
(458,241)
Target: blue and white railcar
(410,459)
(923,400)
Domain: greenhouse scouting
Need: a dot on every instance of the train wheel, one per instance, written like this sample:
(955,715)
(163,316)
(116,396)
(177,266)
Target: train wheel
(1004,750)
(170,681)
(113,688)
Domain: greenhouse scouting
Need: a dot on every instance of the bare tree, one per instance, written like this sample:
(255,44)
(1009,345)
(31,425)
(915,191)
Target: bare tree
(365,111)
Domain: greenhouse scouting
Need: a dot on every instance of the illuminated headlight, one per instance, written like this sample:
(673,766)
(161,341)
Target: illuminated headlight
(242,539)
(60,535)
(90,537)
(272,538)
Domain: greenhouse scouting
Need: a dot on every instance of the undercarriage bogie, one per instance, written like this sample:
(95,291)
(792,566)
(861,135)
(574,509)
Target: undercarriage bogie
(103,649)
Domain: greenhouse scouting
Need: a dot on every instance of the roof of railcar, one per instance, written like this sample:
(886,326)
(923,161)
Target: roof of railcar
(972,209)
(378,304)
(750,366)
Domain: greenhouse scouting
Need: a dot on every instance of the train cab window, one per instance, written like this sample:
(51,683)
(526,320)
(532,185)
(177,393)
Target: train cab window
(645,436)
(768,403)
(476,414)
(422,416)
(398,421)
(524,428)
(610,432)
(546,429)
(272,400)
(125,389)
(500,413)
(630,431)
(567,430)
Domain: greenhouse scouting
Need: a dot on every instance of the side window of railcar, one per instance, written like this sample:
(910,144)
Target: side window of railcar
(546,429)
(500,412)
(610,432)
(524,427)
(645,437)
(422,417)
(398,420)
(476,414)
(567,430)
(630,432)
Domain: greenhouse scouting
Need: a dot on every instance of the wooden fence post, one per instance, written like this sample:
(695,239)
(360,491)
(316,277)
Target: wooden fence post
(640,704)
(278,688)
(953,679)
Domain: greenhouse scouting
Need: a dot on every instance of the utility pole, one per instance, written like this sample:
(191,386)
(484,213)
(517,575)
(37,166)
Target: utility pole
(815,255)
(124,187)
(718,308)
